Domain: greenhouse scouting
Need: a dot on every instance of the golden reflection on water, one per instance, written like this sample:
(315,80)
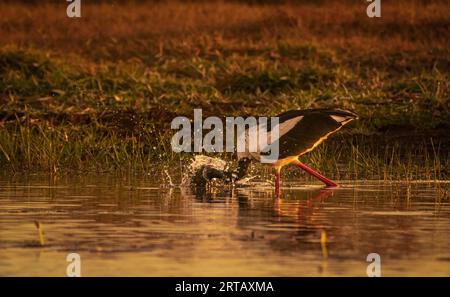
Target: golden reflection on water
(135,226)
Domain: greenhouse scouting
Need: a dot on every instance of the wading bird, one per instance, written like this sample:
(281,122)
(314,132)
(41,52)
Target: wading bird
(300,131)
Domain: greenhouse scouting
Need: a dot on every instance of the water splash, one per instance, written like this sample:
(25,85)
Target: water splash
(204,169)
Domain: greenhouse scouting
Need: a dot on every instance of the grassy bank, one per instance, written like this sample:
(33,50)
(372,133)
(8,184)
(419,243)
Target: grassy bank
(98,93)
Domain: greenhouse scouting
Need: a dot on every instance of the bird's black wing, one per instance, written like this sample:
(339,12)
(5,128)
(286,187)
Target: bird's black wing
(312,129)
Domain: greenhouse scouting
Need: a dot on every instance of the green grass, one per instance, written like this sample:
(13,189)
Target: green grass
(64,114)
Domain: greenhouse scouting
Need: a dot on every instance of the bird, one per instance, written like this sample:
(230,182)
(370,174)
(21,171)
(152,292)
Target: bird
(300,131)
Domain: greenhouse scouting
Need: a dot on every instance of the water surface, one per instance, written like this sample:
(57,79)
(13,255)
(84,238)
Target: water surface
(136,226)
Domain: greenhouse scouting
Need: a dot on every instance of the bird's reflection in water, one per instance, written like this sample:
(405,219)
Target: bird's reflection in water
(210,194)
(299,208)
(302,207)
(292,221)
(286,223)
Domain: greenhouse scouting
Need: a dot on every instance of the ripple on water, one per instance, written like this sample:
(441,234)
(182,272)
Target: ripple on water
(136,227)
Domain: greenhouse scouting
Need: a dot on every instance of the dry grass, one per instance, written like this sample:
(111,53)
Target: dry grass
(106,30)
(99,92)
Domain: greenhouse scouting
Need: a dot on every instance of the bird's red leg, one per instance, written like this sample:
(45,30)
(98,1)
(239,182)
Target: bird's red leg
(277,181)
(317,175)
